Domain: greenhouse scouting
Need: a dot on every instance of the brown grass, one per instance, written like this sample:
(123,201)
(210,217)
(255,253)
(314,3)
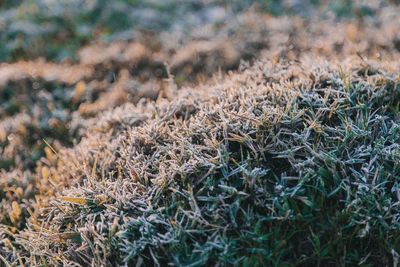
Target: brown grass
(155,121)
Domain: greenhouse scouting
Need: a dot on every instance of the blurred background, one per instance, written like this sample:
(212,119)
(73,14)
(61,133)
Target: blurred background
(57,29)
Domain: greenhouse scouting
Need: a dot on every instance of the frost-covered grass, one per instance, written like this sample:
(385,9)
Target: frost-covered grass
(264,168)
(147,149)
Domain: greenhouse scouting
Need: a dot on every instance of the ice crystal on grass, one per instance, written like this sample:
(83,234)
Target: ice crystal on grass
(309,178)
(147,150)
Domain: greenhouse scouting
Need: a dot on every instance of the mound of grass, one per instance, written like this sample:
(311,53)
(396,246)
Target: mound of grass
(279,164)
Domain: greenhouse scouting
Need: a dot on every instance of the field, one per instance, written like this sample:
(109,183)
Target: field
(199,133)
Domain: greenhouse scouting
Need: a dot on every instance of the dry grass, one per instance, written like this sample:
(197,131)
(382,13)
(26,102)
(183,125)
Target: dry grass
(255,169)
(290,160)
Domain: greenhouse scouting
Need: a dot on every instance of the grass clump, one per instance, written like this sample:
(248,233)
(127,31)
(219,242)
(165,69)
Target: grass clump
(279,164)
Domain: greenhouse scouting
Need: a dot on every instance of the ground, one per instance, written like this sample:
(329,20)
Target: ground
(199,133)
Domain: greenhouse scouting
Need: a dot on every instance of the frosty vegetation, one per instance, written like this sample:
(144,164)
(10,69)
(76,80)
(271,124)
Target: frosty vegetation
(259,141)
